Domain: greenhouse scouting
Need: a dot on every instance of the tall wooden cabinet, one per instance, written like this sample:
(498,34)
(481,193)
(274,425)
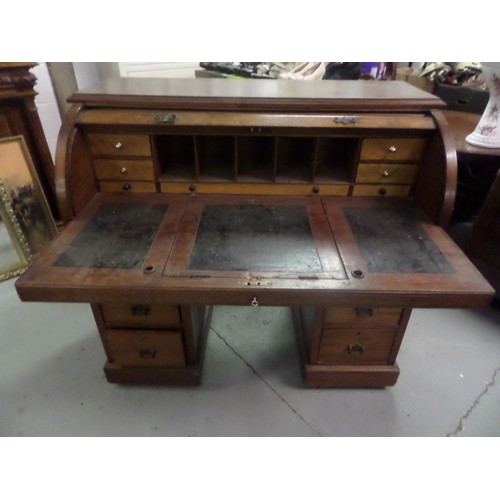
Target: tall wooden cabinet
(19,116)
(327,197)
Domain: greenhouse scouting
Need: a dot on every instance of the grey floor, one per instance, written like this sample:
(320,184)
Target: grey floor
(52,383)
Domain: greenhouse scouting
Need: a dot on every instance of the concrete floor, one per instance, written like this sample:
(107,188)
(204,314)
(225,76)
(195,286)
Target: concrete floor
(52,383)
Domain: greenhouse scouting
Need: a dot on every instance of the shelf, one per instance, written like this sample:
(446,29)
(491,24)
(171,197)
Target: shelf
(176,156)
(256,159)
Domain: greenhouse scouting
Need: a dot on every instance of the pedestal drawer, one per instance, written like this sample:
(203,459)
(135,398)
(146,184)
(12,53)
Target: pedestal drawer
(158,348)
(119,144)
(352,346)
(393,149)
(365,317)
(140,315)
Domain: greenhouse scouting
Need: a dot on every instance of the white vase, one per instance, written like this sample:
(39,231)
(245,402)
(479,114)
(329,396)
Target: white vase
(487,133)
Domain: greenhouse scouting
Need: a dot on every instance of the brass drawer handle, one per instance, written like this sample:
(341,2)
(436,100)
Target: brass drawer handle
(254,302)
(345,120)
(140,309)
(147,353)
(165,118)
(119,145)
(364,312)
(392,149)
(385,173)
(123,170)
(355,348)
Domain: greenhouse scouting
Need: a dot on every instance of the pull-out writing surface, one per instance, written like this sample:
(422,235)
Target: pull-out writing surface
(229,249)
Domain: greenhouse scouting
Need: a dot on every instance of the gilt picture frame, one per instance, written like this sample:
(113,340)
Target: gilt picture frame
(15,255)
(26,218)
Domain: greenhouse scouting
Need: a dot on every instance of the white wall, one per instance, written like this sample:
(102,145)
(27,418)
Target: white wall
(47,106)
(86,74)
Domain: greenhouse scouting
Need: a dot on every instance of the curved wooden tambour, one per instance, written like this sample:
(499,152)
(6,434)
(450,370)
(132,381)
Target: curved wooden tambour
(75,183)
(437,180)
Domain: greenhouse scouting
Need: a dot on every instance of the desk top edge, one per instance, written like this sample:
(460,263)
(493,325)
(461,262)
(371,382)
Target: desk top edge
(221,94)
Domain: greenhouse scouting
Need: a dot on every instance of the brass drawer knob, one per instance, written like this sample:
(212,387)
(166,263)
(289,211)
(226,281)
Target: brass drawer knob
(355,349)
(123,170)
(385,173)
(392,149)
(119,145)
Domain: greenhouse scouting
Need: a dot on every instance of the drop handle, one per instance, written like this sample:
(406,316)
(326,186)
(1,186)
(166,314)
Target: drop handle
(355,349)
(123,170)
(119,145)
(385,173)
(254,302)
(140,309)
(147,353)
(392,149)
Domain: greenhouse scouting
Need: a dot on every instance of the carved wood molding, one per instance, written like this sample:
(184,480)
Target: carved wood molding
(16,76)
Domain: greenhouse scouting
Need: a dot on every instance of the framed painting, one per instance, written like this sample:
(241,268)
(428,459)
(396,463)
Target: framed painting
(14,252)
(27,225)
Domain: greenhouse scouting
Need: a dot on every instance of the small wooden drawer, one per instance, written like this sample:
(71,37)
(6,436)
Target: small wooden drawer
(117,315)
(381,190)
(119,145)
(387,173)
(366,317)
(351,346)
(138,170)
(127,186)
(395,149)
(255,189)
(156,348)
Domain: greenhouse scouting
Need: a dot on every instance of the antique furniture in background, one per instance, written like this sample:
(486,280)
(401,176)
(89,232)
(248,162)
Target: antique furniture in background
(19,116)
(477,205)
(327,197)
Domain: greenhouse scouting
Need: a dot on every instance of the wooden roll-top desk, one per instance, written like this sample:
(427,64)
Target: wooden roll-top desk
(329,197)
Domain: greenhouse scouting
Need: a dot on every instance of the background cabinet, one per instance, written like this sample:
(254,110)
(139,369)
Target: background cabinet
(19,116)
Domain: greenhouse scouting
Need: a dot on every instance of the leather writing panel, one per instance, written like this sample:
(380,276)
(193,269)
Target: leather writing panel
(117,236)
(391,240)
(255,238)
